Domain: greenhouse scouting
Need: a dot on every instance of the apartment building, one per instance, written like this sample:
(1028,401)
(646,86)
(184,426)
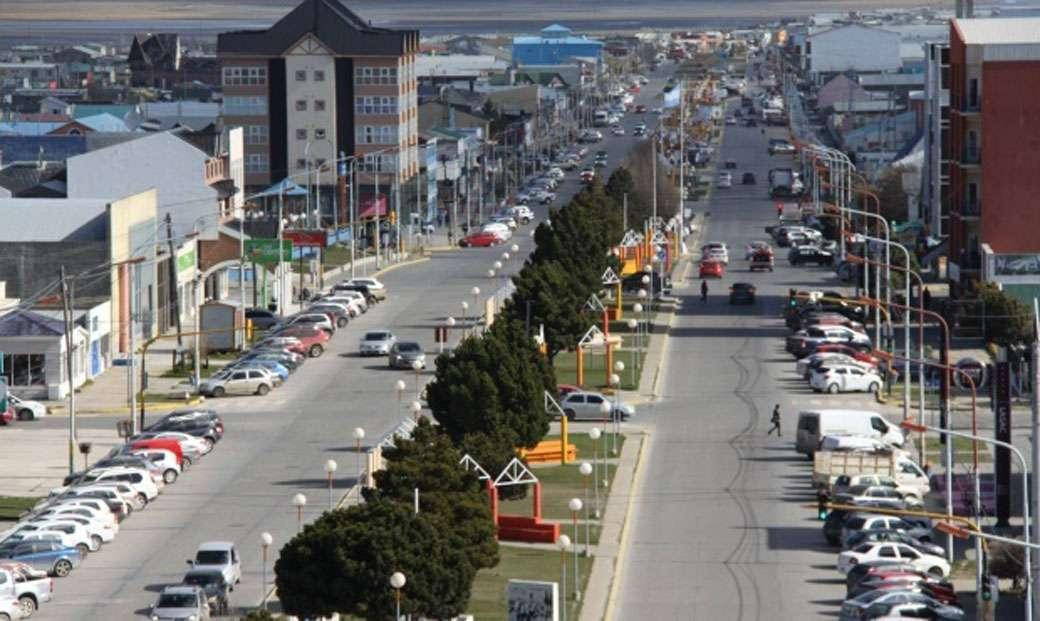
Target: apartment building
(318,82)
(994,135)
(935,186)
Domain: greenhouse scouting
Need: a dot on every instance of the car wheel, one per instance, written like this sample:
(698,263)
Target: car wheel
(341,322)
(4,616)
(25,415)
(833,389)
(315,350)
(84,549)
(873,388)
(218,391)
(170,476)
(209,441)
(936,571)
(142,501)
(28,605)
(261,390)
(61,569)
(96,540)
(569,414)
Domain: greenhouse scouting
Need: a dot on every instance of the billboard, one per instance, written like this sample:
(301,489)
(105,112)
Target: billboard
(533,601)
(266,250)
(432,165)
(300,237)
(1017,264)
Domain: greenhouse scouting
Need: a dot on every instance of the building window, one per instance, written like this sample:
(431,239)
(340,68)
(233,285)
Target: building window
(380,162)
(248,106)
(375,105)
(301,75)
(388,75)
(25,369)
(318,163)
(364,75)
(256,134)
(245,76)
(301,164)
(257,163)
(319,105)
(376,134)
(301,105)
(301,134)
(319,75)
(319,134)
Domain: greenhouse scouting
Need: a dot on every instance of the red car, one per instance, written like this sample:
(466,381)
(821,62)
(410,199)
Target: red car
(312,338)
(712,269)
(483,239)
(7,417)
(841,348)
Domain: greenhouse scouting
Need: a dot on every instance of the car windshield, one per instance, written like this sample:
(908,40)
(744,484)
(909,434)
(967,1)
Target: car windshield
(176,600)
(203,579)
(409,347)
(376,336)
(211,557)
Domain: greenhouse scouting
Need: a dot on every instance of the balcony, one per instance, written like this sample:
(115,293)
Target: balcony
(217,170)
(969,210)
(970,105)
(970,157)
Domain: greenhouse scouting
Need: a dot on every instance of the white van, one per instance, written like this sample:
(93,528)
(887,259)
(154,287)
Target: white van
(813,425)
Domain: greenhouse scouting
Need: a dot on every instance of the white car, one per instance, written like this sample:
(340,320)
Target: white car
(910,491)
(139,480)
(715,251)
(60,511)
(189,443)
(99,507)
(556,173)
(27,410)
(504,219)
(11,608)
(828,357)
(376,343)
(898,552)
(353,299)
(617,130)
(523,214)
(221,556)
(320,320)
(587,405)
(165,460)
(376,288)
(498,229)
(844,378)
(725,180)
(97,532)
(70,536)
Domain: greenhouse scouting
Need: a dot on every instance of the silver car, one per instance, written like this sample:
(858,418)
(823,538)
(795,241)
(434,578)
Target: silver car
(237,382)
(377,343)
(182,602)
(587,405)
(404,354)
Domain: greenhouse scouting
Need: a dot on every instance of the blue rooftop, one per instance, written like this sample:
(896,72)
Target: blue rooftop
(104,122)
(49,148)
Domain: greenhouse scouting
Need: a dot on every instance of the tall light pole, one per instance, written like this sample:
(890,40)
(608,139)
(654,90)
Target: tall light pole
(299,501)
(564,543)
(265,542)
(416,410)
(417,367)
(397,582)
(633,325)
(330,469)
(594,435)
(400,386)
(586,471)
(575,506)
(615,418)
(476,304)
(359,435)
(450,322)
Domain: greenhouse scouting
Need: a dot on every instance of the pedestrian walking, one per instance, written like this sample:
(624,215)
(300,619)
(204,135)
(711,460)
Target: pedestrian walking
(779,209)
(775,419)
(704,291)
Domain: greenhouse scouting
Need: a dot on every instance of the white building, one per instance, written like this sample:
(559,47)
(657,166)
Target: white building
(856,48)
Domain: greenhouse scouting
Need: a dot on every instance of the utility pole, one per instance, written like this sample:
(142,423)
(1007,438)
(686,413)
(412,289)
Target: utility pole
(1035,402)
(66,304)
(281,257)
(130,379)
(172,285)
(379,231)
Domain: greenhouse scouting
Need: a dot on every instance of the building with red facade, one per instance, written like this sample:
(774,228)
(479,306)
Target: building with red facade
(994,151)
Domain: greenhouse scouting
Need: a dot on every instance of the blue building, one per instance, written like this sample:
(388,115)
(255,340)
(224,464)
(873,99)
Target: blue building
(555,45)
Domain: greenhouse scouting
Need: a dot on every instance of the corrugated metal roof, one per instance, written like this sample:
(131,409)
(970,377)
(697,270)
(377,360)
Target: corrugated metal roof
(52,219)
(28,323)
(1002,31)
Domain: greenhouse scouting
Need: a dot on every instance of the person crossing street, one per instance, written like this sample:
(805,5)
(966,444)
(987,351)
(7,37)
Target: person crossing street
(704,291)
(775,419)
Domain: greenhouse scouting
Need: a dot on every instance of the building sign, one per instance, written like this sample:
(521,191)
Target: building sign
(1016,264)
(1002,432)
(301,238)
(266,250)
(187,261)
(533,601)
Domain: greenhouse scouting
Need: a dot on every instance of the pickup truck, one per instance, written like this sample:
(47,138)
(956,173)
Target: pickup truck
(29,586)
(828,465)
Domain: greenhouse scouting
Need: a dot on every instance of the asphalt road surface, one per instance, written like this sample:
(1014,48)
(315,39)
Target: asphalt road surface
(719,531)
(277,446)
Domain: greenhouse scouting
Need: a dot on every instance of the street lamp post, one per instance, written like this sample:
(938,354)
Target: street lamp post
(299,501)
(594,435)
(575,506)
(450,322)
(330,469)
(416,410)
(359,435)
(401,386)
(633,325)
(564,543)
(397,582)
(417,367)
(265,542)
(615,418)
(475,291)
(586,470)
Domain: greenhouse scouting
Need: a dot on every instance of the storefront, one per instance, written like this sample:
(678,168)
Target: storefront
(33,347)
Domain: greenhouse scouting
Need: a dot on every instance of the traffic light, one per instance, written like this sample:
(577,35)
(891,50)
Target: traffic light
(987,588)
(821,506)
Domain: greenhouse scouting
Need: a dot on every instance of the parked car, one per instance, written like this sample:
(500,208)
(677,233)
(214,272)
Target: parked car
(7,416)
(761,260)
(262,318)
(220,556)
(872,521)
(377,288)
(49,556)
(320,320)
(742,293)
(778,146)
(879,493)
(187,602)
(339,315)
(10,608)
(584,405)
(724,180)
(214,585)
(311,337)
(25,409)
(881,602)
(880,534)
(480,239)
(30,586)
(236,382)
(932,564)
(748,178)
(711,269)
(800,255)
(377,343)
(844,378)
(404,354)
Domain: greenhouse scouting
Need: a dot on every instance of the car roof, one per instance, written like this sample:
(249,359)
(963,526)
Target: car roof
(210,546)
(181,589)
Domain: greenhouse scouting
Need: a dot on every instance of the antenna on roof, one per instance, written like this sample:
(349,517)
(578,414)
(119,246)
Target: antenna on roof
(39,158)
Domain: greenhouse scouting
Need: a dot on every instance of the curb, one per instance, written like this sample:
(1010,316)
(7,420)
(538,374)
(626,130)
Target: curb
(390,268)
(626,527)
(170,404)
